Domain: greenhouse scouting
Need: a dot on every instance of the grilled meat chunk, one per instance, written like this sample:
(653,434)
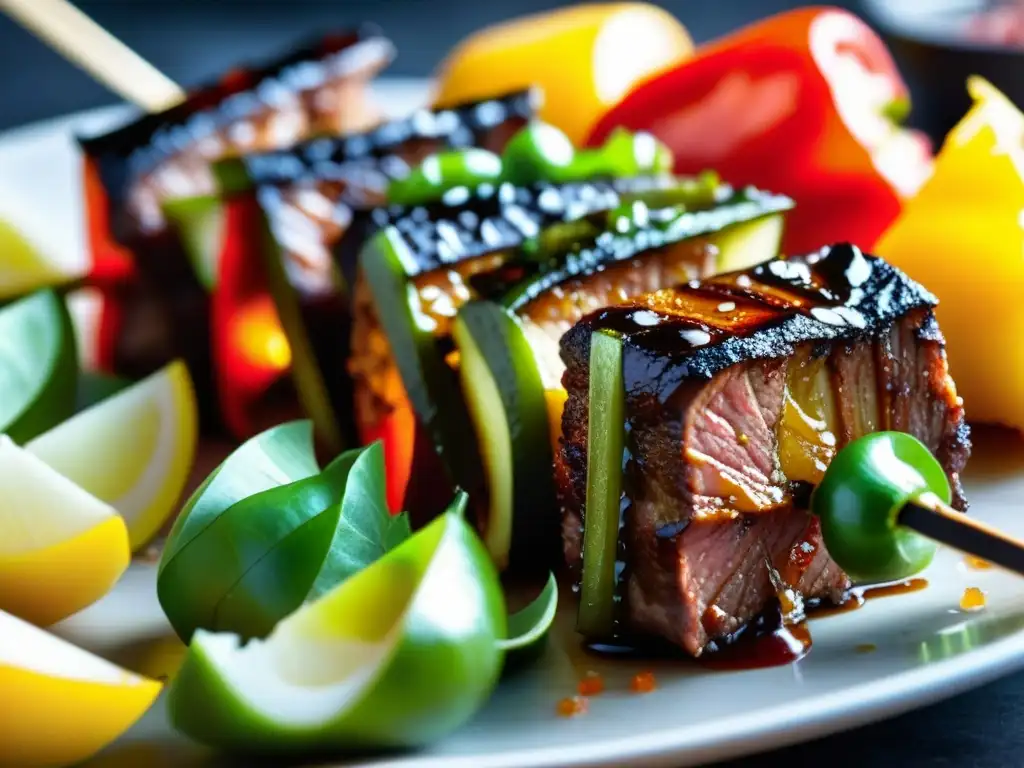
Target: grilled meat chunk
(129,174)
(319,202)
(328,195)
(736,392)
(317,89)
(433,259)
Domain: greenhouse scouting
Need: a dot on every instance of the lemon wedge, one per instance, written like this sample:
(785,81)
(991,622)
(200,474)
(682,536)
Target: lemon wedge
(61,549)
(61,704)
(134,450)
(22,267)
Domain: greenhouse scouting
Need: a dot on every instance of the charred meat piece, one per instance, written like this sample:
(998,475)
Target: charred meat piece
(305,213)
(130,173)
(345,179)
(726,396)
(509,361)
(404,364)
(318,89)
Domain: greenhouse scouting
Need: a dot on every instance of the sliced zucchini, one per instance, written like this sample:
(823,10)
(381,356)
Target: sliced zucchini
(506,402)
(606,436)
(493,222)
(199,222)
(430,383)
(744,245)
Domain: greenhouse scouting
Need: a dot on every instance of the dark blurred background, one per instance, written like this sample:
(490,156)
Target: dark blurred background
(194,40)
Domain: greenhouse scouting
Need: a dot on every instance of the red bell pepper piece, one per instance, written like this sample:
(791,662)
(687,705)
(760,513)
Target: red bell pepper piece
(397,433)
(111,265)
(249,347)
(805,103)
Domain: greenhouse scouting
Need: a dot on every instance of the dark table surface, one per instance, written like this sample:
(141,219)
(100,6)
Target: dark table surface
(193,40)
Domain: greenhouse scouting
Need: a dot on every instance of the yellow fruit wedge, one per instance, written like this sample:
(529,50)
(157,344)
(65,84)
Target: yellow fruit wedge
(61,549)
(22,268)
(133,450)
(962,236)
(582,59)
(61,704)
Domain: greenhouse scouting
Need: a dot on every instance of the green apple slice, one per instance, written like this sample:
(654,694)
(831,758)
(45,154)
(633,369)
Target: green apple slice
(200,225)
(265,553)
(38,365)
(397,656)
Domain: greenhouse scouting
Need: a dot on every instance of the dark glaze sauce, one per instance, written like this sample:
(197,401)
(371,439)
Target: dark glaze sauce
(692,332)
(860,595)
(767,641)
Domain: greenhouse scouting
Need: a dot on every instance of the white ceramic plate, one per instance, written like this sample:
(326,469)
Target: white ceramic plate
(925,649)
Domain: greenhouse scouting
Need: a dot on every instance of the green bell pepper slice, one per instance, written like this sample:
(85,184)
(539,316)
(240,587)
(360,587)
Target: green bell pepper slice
(606,434)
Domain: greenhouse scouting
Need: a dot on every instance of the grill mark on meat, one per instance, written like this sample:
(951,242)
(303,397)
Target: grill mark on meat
(705,576)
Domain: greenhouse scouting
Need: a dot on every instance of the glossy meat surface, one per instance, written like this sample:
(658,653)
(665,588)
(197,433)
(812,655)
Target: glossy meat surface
(739,389)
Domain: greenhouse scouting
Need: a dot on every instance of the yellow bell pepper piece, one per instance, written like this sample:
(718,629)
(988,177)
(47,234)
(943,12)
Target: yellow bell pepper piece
(61,704)
(583,59)
(962,236)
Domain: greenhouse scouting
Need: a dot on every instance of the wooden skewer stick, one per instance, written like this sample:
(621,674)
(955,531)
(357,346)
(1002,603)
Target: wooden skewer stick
(932,518)
(85,43)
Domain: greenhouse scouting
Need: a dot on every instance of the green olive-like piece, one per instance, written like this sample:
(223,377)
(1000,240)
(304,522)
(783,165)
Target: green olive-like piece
(633,154)
(860,498)
(443,171)
(538,152)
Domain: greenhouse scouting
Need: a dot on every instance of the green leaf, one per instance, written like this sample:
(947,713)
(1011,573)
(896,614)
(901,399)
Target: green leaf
(38,365)
(528,628)
(273,458)
(278,541)
(399,529)
(364,524)
(268,531)
(385,660)
(277,582)
(216,562)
